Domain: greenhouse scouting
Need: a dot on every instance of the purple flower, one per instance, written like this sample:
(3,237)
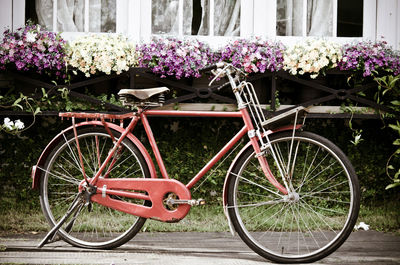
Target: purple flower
(32,48)
(174,57)
(254,55)
(370,57)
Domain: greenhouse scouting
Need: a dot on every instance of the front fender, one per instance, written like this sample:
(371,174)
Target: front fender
(228,175)
(37,172)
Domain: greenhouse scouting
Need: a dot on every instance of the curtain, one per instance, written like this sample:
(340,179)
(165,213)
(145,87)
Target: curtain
(290,18)
(71,15)
(196,15)
(319,18)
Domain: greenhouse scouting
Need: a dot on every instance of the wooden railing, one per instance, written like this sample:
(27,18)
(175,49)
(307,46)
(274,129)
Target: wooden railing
(328,104)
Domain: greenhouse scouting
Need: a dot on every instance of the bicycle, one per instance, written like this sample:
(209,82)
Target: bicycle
(291,195)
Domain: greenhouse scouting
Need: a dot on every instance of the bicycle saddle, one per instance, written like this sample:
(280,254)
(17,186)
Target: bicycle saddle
(143,93)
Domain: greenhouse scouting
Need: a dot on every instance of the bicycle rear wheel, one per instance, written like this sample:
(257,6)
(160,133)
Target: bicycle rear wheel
(93,225)
(315,219)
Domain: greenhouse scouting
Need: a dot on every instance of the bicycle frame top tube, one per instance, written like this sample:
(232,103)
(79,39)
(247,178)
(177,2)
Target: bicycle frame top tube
(214,160)
(143,114)
(247,128)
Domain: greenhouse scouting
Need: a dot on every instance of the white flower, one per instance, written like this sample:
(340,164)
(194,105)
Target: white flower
(104,53)
(19,124)
(181,52)
(31,37)
(312,56)
(8,124)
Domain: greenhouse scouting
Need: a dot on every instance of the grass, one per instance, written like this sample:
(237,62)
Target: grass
(208,218)
(383,217)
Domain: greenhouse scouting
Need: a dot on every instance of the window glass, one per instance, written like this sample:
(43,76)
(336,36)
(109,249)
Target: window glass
(315,18)
(102,15)
(196,17)
(350,18)
(319,18)
(289,18)
(71,15)
(227,18)
(43,18)
(165,16)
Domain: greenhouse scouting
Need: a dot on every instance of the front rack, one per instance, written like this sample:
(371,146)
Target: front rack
(250,99)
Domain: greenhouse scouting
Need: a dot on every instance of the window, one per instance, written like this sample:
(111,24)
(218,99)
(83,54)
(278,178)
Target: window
(209,20)
(73,15)
(196,17)
(328,18)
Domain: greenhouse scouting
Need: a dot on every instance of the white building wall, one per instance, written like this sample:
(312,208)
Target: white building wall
(12,14)
(5,14)
(388,20)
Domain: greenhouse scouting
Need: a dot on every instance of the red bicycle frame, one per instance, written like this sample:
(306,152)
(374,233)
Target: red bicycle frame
(154,189)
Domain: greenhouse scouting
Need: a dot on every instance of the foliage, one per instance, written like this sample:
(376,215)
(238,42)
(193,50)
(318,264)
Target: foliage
(173,57)
(313,56)
(389,90)
(22,103)
(104,53)
(254,55)
(31,48)
(396,155)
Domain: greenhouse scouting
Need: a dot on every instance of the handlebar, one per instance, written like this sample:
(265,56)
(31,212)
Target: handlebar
(212,67)
(222,69)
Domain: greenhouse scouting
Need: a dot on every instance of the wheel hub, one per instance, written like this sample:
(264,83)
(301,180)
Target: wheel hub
(292,197)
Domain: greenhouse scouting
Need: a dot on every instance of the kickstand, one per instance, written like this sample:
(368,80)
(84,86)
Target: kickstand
(75,205)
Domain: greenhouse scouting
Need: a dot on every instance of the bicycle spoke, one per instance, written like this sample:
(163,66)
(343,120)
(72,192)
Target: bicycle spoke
(310,218)
(258,185)
(98,227)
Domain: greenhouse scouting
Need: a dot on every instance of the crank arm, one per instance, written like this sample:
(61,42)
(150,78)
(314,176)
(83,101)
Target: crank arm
(171,202)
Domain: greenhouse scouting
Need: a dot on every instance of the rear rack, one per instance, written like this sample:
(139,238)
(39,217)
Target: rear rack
(96,116)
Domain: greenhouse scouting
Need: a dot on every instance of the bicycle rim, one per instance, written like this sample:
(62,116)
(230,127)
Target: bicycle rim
(313,221)
(94,226)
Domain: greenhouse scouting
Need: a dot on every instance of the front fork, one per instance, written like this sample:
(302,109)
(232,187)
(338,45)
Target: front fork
(260,151)
(256,138)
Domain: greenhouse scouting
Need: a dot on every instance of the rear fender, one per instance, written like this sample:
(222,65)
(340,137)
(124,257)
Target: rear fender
(228,175)
(36,173)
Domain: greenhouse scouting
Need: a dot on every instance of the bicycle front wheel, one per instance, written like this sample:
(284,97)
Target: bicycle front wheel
(93,225)
(314,219)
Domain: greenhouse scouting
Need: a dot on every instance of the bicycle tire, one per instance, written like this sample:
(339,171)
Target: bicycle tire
(302,229)
(99,227)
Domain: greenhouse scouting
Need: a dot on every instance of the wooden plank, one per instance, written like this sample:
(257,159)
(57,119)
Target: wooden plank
(233,107)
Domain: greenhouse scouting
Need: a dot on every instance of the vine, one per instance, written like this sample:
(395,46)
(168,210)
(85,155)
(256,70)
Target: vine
(389,86)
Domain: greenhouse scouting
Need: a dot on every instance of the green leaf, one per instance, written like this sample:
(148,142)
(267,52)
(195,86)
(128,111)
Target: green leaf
(393,185)
(36,111)
(17,101)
